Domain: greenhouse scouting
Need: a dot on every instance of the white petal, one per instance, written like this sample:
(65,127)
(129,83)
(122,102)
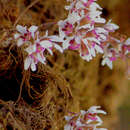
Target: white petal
(46,34)
(99,121)
(31,49)
(92,52)
(93,39)
(20,42)
(21,29)
(101,30)
(114,26)
(61,33)
(127,42)
(50,51)
(33,66)
(73,17)
(27,63)
(66,44)
(46,44)
(85,26)
(103,62)
(89,121)
(61,25)
(94,14)
(95,6)
(82,13)
(101,111)
(78,123)
(93,109)
(82,112)
(77,39)
(33,29)
(85,41)
(68,118)
(79,5)
(111,26)
(87,57)
(102,37)
(40,58)
(99,20)
(68,127)
(98,49)
(16,36)
(107,62)
(58,48)
(56,38)
(68,7)
(84,1)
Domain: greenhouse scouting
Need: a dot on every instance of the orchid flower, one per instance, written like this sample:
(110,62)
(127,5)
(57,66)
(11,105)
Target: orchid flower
(78,29)
(36,45)
(35,54)
(81,32)
(85,119)
(24,34)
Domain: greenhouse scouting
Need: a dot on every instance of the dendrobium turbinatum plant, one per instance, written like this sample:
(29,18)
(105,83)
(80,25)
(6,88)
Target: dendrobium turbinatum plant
(85,120)
(84,31)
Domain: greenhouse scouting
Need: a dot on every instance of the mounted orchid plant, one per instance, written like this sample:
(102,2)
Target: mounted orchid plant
(84,31)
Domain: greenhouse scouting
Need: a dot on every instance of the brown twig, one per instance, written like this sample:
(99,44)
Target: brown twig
(21,86)
(28,7)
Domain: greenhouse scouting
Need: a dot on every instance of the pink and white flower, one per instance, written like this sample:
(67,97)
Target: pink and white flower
(114,49)
(125,47)
(36,45)
(85,120)
(78,29)
(35,54)
(111,27)
(81,32)
(24,34)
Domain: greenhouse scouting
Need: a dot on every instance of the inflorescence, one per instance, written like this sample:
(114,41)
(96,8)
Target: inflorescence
(84,30)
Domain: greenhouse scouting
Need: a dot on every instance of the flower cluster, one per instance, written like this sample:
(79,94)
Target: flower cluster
(85,120)
(84,30)
(115,48)
(36,45)
(87,32)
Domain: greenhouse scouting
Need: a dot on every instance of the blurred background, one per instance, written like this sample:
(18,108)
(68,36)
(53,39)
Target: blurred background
(118,11)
